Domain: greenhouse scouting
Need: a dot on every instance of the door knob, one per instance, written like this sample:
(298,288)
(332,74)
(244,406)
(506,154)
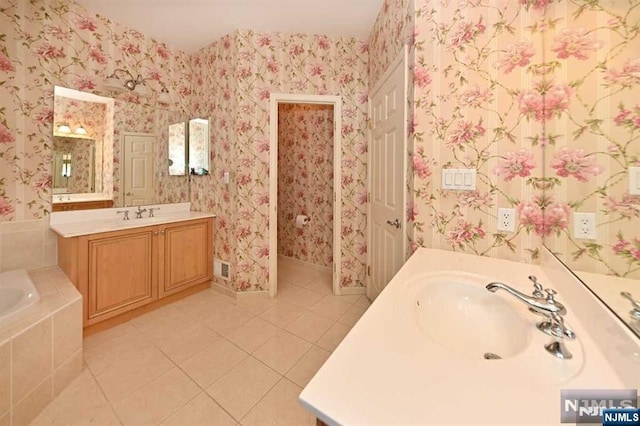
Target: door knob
(395,223)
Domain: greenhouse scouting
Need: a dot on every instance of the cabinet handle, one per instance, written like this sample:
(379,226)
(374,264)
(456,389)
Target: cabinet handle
(155,232)
(162,232)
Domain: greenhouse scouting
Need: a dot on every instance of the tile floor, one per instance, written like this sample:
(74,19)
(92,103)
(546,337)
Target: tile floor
(212,360)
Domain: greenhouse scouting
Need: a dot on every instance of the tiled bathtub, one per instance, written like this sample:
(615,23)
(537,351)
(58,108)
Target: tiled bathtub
(40,348)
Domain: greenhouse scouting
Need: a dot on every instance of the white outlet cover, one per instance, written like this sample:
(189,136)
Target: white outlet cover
(584,226)
(506,219)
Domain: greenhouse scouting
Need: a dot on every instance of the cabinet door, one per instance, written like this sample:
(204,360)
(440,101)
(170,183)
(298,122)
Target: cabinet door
(120,272)
(186,249)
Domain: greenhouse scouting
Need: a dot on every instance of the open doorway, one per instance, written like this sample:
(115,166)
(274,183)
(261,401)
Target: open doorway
(305,175)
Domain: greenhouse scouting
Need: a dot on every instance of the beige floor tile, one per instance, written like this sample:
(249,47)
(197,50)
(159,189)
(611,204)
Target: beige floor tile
(252,334)
(363,301)
(182,341)
(201,410)
(227,317)
(165,317)
(307,366)
(280,407)
(282,351)
(330,307)
(27,409)
(349,298)
(81,403)
(105,336)
(126,346)
(157,400)
(282,314)
(353,314)
(298,296)
(133,372)
(5,420)
(310,326)
(200,305)
(216,360)
(323,285)
(239,390)
(256,304)
(297,275)
(332,338)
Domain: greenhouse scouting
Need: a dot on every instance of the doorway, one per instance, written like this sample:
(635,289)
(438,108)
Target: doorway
(300,200)
(387,238)
(138,176)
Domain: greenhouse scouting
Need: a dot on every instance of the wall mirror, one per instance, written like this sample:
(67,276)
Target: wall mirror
(82,162)
(592,148)
(127,118)
(178,149)
(198,146)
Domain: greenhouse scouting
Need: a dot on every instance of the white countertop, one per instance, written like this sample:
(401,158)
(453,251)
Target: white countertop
(85,222)
(381,374)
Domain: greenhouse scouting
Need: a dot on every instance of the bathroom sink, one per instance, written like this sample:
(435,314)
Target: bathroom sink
(455,311)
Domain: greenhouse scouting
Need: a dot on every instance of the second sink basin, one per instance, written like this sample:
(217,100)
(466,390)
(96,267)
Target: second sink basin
(455,311)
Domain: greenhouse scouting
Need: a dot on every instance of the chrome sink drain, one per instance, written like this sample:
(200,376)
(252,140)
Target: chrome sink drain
(490,355)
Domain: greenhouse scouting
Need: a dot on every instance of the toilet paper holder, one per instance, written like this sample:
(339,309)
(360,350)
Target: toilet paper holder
(302,220)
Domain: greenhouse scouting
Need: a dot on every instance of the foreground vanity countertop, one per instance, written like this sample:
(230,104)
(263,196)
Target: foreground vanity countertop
(384,374)
(77,223)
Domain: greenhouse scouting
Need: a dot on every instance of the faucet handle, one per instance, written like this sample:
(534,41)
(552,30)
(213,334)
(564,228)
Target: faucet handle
(126,214)
(151,210)
(635,312)
(537,287)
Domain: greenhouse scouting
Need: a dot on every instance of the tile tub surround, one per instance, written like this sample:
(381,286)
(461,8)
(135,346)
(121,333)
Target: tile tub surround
(27,244)
(382,373)
(40,348)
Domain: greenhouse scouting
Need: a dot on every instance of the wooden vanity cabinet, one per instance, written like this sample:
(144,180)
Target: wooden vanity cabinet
(119,271)
(186,252)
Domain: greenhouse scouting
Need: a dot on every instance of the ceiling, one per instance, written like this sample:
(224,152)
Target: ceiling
(188,25)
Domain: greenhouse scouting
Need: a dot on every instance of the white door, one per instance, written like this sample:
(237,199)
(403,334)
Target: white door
(138,185)
(387,171)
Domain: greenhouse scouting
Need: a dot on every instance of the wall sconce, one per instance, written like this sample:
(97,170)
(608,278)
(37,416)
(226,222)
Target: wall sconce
(136,85)
(81,130)
(64,128)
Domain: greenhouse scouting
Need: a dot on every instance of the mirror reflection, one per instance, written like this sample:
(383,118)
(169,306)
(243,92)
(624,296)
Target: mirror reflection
(178,149)
(199,146)
(592,159)
(82,133)
(117,130)
(74,166)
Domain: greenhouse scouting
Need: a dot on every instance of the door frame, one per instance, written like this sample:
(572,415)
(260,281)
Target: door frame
(291,98)
(122,170)
(400,60)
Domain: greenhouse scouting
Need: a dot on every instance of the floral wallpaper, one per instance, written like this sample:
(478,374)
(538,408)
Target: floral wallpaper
(474,66)
(593,134)
(305,182)
(239,73)
(55,42)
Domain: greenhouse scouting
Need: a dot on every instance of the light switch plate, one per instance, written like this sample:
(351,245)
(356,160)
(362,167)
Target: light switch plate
(459,179)
(634,180)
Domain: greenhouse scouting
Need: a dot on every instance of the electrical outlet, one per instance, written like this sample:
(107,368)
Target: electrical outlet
(584,226)
(506,220)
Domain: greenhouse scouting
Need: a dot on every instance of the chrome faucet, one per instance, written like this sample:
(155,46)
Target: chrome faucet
(139,212)
(126,214)
(635,312)
(544,305)
(548,307)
